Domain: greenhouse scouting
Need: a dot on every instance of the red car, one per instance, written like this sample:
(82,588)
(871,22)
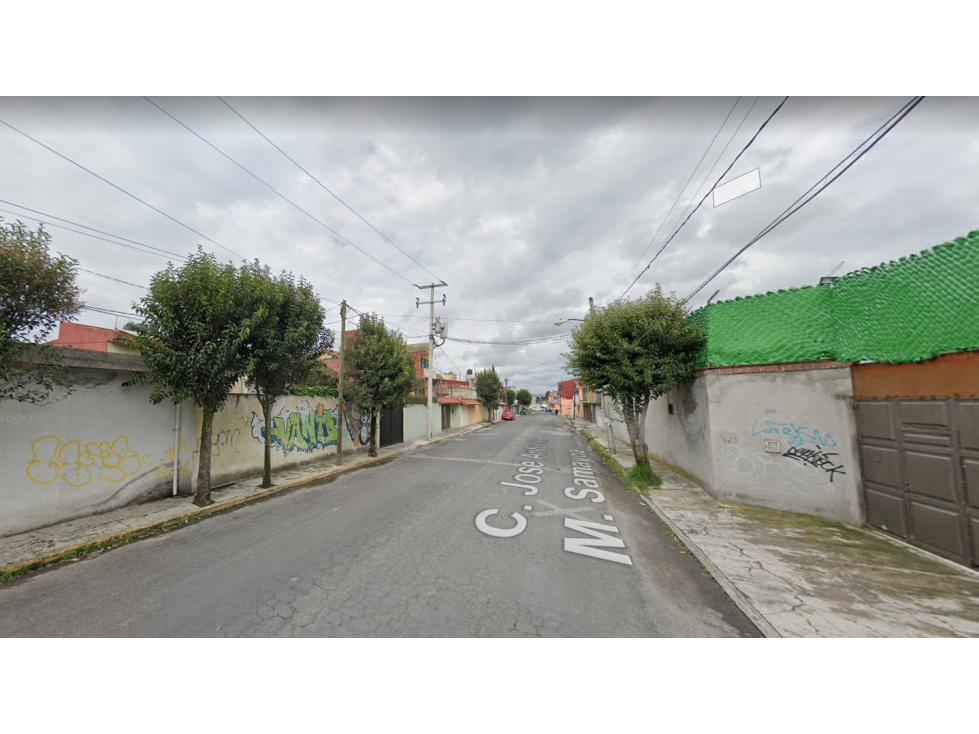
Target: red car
(506,415)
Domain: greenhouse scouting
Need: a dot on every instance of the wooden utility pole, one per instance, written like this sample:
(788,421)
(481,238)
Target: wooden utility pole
(340,405)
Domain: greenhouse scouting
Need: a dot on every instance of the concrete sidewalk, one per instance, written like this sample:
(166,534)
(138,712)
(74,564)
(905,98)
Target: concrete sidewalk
(798,576)
(70,539)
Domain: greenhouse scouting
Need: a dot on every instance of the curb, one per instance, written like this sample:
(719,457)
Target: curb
(19,568)
(739,599)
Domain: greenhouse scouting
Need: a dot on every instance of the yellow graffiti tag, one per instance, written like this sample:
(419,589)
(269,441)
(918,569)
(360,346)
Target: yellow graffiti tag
(78,464)
(167,471)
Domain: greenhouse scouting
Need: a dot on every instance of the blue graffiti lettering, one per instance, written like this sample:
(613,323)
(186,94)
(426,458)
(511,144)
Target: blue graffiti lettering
(797,435)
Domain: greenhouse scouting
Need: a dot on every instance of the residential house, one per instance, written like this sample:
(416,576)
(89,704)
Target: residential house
(566,393)
(586,403)
(92,338)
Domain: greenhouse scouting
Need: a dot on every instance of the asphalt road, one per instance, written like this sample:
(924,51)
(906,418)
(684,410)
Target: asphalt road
(409,548)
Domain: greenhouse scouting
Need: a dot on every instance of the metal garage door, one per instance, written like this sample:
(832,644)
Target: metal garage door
(920,461)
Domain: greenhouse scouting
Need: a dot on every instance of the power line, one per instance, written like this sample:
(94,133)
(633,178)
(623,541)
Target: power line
(678,196)
(83,226)
(273,190)
(880,133)
(323,186)
(69,229)
(717,160)
(543,339)
(109,277)
(721,178)
(455,318)
(111,312)
(119,188)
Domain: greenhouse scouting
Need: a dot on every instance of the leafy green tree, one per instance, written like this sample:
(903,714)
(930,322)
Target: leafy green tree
(286,345)
(195,340)
(524,397)
(37,289)
(511,396)
(489,389)
(612,351)
(319,376)
(381,370)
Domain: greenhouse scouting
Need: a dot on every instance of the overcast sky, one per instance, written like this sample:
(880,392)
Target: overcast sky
(525,207)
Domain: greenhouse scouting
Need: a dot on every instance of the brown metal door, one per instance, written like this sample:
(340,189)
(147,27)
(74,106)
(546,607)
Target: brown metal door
(920,461)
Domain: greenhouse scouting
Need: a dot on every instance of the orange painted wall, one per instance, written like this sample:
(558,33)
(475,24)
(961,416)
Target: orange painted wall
(949,376)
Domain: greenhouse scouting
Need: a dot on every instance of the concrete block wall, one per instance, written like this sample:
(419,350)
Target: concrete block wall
(303,431)
(416,421)
(776,436)
(100,448)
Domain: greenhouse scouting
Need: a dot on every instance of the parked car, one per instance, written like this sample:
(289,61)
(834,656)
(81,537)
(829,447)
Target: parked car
(507,415)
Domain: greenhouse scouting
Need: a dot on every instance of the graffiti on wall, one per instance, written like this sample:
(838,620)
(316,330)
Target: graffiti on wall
(808,449)
(796,435)
(225,441)
(309,428)
(77,464)
(817,458)
(166,463)
(305,429)
(761,466)
(358,425)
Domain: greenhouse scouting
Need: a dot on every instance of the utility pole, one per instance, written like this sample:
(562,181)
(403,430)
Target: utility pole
(431,341)
(609,436)
(340,405)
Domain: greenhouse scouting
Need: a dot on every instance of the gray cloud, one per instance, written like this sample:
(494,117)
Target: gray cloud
(526,207)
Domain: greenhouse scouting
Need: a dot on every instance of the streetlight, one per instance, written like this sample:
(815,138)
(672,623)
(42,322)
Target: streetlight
(561,322)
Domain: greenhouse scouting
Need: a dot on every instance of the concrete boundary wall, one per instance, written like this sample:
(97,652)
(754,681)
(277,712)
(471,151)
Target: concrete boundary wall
(784,439)
(303,431)
(102,447)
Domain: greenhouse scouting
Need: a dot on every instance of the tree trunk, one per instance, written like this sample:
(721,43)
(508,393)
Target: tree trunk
(641,449)
(202,497)
(636,425)
(267,471)
(372,446)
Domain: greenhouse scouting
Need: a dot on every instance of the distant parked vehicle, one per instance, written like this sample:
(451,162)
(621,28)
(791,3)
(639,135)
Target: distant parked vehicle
(507,415)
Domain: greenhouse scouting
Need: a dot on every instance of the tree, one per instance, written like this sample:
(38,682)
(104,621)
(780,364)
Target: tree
(612,351)
(489,388)
(319,376)
(381,370)
(511,396)
(524,397)
(194,338)
(37,289)
(285,346)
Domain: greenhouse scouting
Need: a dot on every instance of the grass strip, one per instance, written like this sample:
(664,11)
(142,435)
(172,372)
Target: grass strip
(639,479)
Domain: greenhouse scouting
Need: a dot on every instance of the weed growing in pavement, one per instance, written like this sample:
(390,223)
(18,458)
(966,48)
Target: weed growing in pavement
(638,479)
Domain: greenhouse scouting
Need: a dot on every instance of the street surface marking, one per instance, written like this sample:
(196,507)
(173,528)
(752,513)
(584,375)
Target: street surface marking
(608,517)
(590,547)
(471,461)
(497,532)
(555,510)
(528,507)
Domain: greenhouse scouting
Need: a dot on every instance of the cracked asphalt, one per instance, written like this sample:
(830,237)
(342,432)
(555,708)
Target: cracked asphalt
(395,551)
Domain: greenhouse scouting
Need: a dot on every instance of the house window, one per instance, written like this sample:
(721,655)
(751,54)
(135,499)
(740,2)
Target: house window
(669,408)
(423,363)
